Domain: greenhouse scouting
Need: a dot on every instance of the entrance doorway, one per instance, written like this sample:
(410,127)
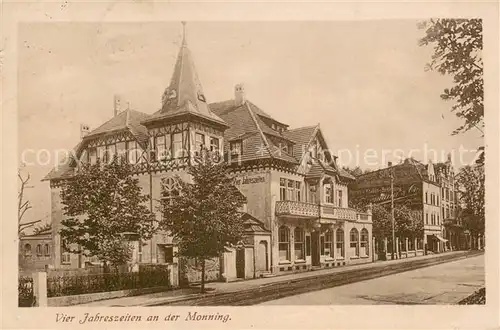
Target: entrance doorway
(240,263)
(262,256)
(315,260)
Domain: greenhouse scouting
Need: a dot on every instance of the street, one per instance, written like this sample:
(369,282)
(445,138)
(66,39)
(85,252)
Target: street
(446,283)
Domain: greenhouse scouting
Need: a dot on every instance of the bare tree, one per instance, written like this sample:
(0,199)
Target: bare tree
(23,205)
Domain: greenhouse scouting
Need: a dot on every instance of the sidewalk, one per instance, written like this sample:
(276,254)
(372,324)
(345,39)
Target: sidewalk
(222,287)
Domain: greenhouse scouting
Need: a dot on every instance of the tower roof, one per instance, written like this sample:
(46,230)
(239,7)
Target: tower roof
(185,94)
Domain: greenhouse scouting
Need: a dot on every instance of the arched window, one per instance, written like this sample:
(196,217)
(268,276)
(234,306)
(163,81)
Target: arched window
(298,234)
(340,243)
(39,250)
(354,242)
(170,190)
(365,243)
(284,243)
(328,244)
(47,250)
(27,250)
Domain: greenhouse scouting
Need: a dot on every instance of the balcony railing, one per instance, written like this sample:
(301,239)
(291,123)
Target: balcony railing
(298,209)
(333,212)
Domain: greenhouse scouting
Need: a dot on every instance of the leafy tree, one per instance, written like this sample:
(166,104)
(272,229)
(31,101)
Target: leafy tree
(382,225)
(205,216)
(406,224)
(458,44)
(471,181)
(101,203)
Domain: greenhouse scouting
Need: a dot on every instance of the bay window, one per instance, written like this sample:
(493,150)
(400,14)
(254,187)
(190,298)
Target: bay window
(339,196)
(328,193)
(290,190)
(297,191)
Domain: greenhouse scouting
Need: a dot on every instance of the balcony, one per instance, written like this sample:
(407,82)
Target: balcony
(297,209)
(342,213)
(310,210)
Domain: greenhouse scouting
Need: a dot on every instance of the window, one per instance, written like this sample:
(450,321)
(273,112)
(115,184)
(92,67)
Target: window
(426,218)
(411,244)
(340,243)
(27,250)
(214,144)
(65,255)
(121,150)
(92,155)
(290,190)
(365,242)
(297,191)
(46,250)
(199,142)
(328,193)
(110,152)
(160,148)
(39,250)
(328,244)
(299,243)
(426,202)
(170,190)
(437,200)
(133,152)
(284,243)
(236,147)
(165,254)
(282,189)
(340,203)
(438,219)
(354,240)
(177,150)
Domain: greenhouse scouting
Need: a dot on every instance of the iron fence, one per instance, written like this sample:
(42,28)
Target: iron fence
(25,291)
(58,286)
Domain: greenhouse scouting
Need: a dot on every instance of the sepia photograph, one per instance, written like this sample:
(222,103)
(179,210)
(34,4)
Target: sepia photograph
(323,166)
(190,163)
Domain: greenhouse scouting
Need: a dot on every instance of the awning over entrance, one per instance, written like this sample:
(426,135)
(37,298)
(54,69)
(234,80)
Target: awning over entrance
(441,239)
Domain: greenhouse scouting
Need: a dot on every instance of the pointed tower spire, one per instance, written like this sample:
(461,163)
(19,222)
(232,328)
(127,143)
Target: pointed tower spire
(185,94)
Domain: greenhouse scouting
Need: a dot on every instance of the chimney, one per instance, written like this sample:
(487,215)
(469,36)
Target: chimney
(239,95)
(118,107)
(84,130)
(389,164)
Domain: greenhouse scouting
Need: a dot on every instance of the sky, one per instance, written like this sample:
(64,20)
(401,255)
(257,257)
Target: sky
(363,81)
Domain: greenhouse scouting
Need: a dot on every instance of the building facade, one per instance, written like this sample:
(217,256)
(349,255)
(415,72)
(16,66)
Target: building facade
(35,252)
(415,185)
(296,216)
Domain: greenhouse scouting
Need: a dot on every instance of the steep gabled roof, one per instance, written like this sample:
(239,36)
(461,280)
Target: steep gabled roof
(128,121)
(245,123)
(301,137)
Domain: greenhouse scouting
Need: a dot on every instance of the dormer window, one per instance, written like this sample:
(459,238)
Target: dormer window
(201,97)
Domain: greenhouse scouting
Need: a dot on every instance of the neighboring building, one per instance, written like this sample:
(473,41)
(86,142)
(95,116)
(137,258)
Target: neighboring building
(35,251)
(416,186)
(458,238)
(296,216)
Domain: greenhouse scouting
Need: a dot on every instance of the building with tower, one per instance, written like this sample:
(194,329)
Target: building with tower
(297,215)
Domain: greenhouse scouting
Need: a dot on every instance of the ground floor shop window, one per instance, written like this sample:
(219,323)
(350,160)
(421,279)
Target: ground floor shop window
(328,244)
(364,242)
(354,242)
(299,243)
(284,243)
(340,243)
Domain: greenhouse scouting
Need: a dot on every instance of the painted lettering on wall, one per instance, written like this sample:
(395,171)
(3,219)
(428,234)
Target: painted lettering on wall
(249,180)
